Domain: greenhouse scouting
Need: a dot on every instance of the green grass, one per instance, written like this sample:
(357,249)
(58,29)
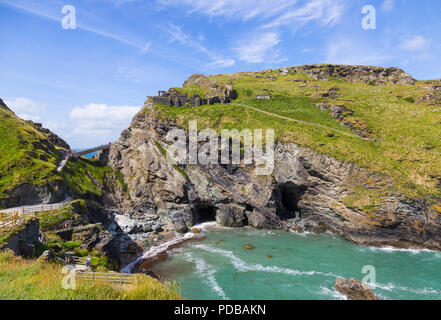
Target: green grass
(404,146)
(192,89)
(76,211)
(33,280)
(87,177)
(25,155)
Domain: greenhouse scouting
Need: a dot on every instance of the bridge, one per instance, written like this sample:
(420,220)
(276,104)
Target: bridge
(84,152)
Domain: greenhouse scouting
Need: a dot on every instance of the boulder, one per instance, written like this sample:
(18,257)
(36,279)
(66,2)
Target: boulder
(45,256)
(230,215)
(354,289)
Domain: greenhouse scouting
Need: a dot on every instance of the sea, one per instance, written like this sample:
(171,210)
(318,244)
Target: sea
(295,266)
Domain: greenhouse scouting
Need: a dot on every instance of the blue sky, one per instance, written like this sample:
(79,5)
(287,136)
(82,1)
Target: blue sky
(86,84)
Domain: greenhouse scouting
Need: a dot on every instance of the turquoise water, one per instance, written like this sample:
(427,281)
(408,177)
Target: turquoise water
(287,265)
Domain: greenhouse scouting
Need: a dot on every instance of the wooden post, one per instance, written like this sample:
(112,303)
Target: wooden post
(120,279)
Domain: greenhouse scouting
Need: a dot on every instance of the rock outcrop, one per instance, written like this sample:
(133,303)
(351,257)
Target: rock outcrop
(305,193)
(4,106)
(212,88)
(51,137)
(354,289)
(22,242)
(365,74)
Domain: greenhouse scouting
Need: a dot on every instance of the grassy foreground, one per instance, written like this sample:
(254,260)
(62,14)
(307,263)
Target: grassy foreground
(22,279)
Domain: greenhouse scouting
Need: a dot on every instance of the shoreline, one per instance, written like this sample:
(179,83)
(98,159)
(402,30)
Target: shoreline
(159,253)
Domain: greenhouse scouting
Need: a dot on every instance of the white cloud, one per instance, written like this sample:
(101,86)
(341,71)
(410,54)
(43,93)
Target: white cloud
(24,106)
(343,51)
(32,117)
(236,9)
(101,119)
(387,5)
(416,43)
(260,47)
(278,12)
(326,12)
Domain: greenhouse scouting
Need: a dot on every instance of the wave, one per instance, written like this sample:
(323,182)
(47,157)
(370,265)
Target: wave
(332,293)
(206,271)
(392,287)
(243,266)
(156,250)
(392,249)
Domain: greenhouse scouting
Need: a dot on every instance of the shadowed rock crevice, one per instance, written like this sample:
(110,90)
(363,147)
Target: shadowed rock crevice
(291,194)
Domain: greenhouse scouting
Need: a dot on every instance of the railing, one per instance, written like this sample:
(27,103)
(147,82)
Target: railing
(9,221)
(111,277)
(44,207)
(84,152)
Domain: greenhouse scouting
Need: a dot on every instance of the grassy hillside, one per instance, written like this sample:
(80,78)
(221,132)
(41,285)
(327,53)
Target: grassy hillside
(403,144)
(25,154)
(87,178)
(33,280)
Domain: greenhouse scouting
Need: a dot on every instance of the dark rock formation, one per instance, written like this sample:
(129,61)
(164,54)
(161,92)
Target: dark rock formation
(29,194)
(22,243)
(354,289)
(51,137)
(4,106)
(305,193)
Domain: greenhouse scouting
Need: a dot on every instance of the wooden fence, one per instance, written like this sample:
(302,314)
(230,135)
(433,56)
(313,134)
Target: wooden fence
(45,207)
(110,277)
(9,221)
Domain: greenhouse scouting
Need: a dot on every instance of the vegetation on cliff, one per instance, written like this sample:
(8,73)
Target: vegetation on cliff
(87,178)
(388,129)
(26,154)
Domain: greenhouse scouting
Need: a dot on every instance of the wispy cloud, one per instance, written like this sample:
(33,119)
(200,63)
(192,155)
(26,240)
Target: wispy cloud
(275,13)
(326,12)
(178,35)
(387,5)
(30,7)
(261,47)
(234,9)
(415,43)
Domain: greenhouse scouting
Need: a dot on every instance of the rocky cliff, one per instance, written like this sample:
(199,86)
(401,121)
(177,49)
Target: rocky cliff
(305,192)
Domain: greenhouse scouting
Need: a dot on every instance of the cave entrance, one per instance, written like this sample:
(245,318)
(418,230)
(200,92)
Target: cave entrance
(291,195)
(206,213)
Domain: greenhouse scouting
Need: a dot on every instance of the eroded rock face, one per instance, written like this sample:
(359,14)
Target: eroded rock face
(365,74)
(305,193)
(29,194)
(354,289)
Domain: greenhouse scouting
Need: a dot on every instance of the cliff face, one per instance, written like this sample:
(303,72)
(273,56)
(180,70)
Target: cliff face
(305,193)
